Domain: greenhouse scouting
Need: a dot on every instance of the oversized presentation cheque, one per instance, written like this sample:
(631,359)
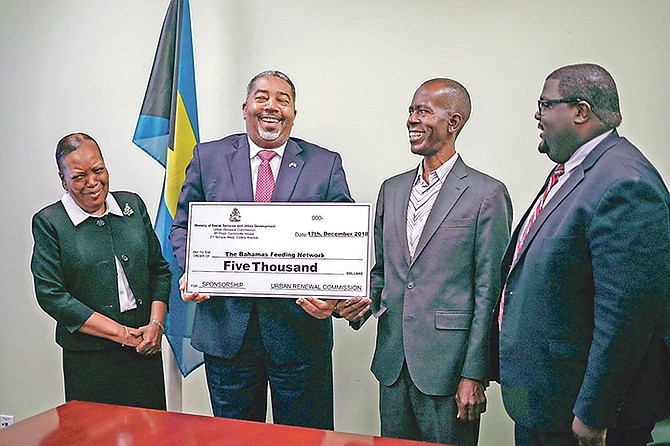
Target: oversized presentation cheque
(278,249)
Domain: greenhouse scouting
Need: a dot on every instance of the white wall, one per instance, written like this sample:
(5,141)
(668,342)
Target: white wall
(84,65)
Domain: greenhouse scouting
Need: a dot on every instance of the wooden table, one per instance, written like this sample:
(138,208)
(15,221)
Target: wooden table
(92,424)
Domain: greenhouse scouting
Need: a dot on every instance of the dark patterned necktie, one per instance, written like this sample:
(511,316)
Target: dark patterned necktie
(553,179)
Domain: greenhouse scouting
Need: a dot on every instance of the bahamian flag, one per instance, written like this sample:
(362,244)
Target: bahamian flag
(167,129)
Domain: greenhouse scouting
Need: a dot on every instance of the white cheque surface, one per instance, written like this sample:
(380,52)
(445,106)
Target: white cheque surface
(278,249)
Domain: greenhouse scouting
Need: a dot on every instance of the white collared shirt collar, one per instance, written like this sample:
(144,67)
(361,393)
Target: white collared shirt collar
(254,149)
(581,153)
(78,215)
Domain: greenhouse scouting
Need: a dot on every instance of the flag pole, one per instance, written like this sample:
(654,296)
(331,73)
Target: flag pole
(173,380)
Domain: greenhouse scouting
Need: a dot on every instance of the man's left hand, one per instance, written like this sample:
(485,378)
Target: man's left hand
(470,399)
(317,308)
(588,435)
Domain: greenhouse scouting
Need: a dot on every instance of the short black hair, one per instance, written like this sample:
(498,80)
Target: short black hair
(593,84)
(273,73)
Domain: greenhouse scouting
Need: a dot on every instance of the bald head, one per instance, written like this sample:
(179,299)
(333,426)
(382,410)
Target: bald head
(455,95)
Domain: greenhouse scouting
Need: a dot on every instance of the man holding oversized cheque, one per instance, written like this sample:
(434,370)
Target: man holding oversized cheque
(250,342)
(440,231)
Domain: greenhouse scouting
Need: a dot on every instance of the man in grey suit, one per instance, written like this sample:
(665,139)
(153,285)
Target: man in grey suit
(587,278)
(250,342)
(440,232)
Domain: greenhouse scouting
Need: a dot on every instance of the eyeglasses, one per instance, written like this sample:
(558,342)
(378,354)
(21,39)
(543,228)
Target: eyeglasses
(543,104)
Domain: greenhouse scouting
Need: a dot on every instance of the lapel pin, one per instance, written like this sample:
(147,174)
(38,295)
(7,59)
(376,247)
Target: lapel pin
(127,210)
(292,164)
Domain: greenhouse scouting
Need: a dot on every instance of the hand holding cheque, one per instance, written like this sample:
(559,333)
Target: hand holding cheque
(354,308)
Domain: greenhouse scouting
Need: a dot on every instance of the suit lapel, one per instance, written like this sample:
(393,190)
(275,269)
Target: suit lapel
(399,199)
(240,169)
(454,185)
(511,246)
(576,177)
(292,164)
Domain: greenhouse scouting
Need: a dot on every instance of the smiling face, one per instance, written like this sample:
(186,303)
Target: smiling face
(429,121)
(269,112)
(84,176)
(558,137)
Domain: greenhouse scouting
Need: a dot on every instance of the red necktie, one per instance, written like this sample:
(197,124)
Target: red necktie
(265,182)
(553,179)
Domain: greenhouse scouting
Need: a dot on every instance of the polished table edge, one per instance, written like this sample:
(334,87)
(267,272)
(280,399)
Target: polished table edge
(79,422)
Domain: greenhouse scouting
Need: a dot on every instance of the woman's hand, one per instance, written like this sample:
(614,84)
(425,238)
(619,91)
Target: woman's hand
(103,327)
(151,336)
(130,337)
(152,333)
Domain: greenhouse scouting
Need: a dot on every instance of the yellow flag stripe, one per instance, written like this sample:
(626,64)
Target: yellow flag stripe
(178,159)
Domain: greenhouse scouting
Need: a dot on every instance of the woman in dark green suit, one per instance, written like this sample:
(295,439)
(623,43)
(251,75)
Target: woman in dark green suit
(99,272)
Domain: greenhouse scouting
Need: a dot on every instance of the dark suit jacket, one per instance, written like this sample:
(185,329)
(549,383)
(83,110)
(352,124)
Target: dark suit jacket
(434,311)
(75,272)
(586,300)
(221,171)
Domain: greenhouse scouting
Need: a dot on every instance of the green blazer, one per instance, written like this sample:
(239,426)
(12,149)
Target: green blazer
(75,272)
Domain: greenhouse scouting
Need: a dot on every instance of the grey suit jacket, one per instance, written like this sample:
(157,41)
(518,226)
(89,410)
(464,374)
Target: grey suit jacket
(221,171)
(434,310)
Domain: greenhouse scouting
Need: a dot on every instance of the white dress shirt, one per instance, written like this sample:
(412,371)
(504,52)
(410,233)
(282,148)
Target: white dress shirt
(255,160)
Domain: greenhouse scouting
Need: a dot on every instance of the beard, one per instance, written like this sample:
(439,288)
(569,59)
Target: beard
(557,156)
(268,135)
